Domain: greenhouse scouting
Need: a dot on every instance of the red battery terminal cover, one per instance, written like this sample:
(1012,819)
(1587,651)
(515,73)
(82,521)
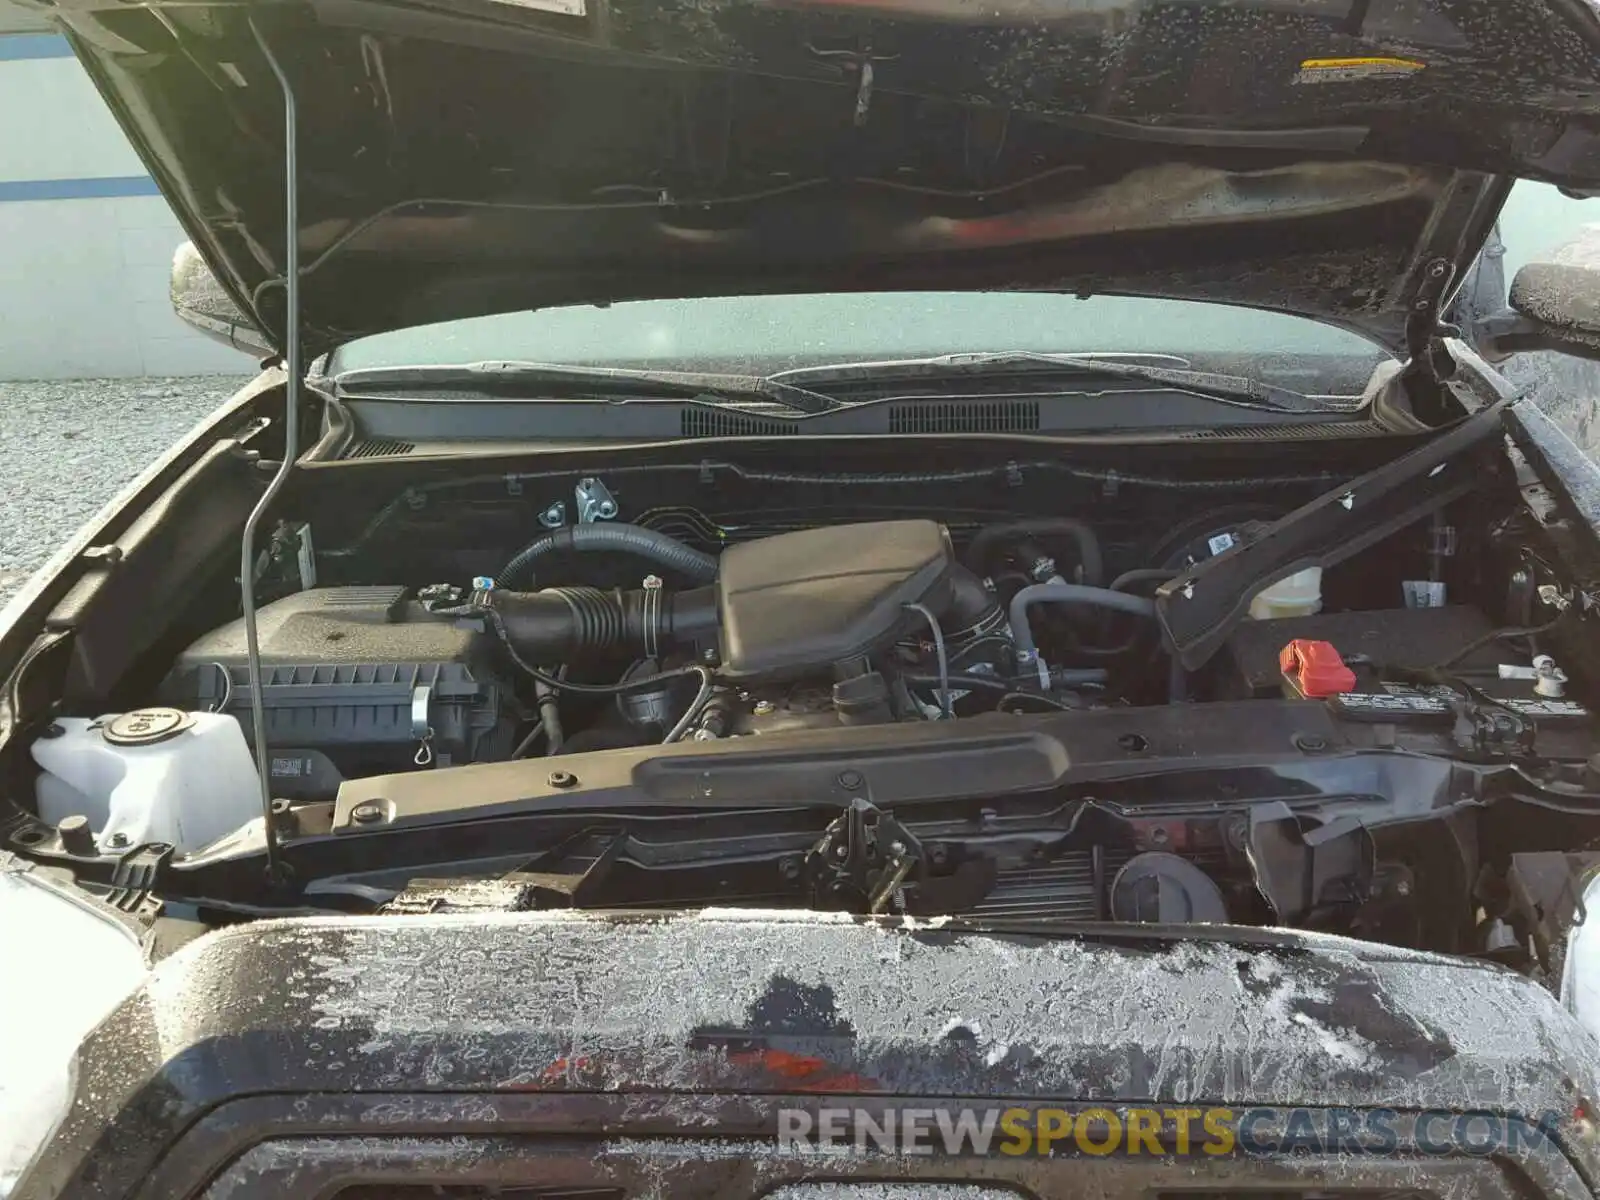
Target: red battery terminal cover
(1316,669)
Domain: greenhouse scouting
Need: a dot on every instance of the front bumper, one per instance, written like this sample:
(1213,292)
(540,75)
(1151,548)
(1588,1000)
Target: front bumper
(656,1055)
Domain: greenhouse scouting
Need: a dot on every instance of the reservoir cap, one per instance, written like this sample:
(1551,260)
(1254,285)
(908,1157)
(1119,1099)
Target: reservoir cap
(146,726)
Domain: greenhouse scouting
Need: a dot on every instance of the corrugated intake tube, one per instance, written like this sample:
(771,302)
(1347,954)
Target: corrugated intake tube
(561,624)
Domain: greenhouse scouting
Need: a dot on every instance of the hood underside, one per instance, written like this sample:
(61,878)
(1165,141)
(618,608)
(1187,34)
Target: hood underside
(1313,156)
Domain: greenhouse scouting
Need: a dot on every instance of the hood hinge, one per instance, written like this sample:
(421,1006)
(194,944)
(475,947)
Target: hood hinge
(1425,332)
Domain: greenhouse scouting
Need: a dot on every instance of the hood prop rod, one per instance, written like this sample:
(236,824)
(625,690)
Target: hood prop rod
(276,870)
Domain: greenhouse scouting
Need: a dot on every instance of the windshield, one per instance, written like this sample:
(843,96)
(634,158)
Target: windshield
(764,334)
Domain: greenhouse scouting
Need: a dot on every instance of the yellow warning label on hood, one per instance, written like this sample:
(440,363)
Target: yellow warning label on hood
(1347,70)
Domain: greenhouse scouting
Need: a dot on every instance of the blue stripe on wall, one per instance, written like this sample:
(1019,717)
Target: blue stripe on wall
(17,46)
(77,189)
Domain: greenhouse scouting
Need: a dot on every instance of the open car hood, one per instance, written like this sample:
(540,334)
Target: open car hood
(1331,158)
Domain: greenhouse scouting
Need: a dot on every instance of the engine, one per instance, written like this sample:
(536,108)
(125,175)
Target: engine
(839,625)
(608,635)
(843,625)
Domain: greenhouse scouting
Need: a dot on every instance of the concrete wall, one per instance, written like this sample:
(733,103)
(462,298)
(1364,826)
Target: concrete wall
(85,240)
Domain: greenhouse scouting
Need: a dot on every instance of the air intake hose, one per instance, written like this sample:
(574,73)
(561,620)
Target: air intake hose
(984,543)
(559,624)
(658,548)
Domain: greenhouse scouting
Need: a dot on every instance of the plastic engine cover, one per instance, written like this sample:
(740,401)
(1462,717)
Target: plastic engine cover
(794,603)
(357,680)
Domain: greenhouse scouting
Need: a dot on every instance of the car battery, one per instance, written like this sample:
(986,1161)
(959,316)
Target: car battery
(1387,654)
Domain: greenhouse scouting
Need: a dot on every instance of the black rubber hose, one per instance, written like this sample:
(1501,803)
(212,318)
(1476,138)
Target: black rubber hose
(659,548)
(989,683)
(1145,575)
(550,718)
(984,542)
(1122,583)
(638,683)
(1067,593)
(560,624)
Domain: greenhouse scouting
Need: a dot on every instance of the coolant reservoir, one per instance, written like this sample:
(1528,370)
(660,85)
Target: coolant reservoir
(151,775)
(1300,595)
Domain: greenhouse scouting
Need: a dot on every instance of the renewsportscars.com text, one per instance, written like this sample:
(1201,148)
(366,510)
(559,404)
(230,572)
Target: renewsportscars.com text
(1180,1132)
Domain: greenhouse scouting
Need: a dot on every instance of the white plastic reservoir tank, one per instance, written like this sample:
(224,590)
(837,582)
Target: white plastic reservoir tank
(1300,595)
(151,775)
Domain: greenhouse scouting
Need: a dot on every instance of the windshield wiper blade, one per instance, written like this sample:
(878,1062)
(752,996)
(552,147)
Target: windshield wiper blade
(531,379)
(1235,390)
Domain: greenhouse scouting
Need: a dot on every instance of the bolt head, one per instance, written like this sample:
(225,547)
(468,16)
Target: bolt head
(562,779)
(366,814)
(1237,830)
(118,840)
(850,780)
(765,708)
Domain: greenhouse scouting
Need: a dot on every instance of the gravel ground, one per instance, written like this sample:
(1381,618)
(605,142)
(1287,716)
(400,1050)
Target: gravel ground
(67,446)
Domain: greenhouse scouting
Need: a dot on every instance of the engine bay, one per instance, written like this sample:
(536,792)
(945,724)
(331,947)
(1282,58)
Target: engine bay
(843,625)
(872,692)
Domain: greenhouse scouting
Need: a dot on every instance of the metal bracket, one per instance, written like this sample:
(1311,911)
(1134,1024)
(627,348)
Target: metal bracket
(858,63)
(134,878)
(1298,870)
(422,724)
(1423,324)
(109,554)
(1490,732)
(594,501)
(1442,541)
